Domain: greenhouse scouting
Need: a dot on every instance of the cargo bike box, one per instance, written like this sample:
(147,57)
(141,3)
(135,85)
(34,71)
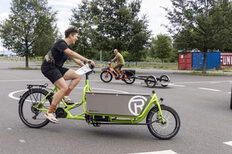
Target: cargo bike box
(126,104)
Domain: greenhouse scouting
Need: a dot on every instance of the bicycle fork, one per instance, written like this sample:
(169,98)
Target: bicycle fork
(156,102)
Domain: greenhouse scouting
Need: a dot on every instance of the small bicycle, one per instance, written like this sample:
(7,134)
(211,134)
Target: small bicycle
(108,73)
(100,108)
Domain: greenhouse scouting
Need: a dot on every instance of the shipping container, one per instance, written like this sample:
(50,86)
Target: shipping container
(185,61)
(212,60)
(197,60)
(226,59)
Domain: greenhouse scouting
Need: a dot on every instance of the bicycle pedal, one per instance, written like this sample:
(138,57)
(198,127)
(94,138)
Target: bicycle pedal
(117,78)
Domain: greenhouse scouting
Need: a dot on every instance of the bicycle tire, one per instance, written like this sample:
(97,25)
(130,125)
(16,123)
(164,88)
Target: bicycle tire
(33,95)
(231,99)
(128,79)
(172,114)
(150,81)
(164,80)
(106,77)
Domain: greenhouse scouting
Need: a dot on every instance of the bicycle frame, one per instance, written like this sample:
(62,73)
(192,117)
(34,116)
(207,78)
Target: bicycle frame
(112,118)
(111,70)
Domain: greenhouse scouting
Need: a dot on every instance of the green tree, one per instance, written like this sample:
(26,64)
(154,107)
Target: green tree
(202,24)
(81,18)
(113,24)
(161,47)
(30,29)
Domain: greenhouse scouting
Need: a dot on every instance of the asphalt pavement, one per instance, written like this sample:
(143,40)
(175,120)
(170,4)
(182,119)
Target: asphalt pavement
(202,103)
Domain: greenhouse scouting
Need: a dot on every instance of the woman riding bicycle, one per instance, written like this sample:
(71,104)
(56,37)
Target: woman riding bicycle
(52,68)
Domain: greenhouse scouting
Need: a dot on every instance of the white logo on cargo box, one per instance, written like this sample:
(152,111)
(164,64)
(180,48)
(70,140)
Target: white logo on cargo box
(136,103)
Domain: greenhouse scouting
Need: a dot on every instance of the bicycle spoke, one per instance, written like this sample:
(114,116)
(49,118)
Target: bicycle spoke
(29,108)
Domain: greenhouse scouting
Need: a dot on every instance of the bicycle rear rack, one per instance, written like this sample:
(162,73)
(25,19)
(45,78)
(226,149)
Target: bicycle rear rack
(29,86)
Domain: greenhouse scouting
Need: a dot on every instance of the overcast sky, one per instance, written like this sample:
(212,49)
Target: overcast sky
(152,8)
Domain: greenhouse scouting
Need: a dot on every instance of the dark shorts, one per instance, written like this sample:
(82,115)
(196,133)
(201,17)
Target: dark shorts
(52,72)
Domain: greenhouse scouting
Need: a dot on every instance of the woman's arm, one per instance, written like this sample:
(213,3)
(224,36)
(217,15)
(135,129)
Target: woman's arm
(74,55)
(77,57)
(78,61)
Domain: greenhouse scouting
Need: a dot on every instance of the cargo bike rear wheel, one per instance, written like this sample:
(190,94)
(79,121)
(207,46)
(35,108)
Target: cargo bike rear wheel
(28,108)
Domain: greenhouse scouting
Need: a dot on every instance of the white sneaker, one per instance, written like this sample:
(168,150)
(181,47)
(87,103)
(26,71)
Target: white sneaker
(68,101)
(51,117)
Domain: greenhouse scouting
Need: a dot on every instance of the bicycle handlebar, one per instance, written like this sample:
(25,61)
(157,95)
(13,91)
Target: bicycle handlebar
(90,65)
(109,63)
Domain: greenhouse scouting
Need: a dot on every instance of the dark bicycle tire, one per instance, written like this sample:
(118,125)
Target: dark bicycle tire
(150,81)
(33,95)
(164,80)
(231,99)
(153,113)
(104,78)
(128,79)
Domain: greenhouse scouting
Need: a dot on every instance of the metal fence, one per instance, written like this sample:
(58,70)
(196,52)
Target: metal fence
(138,63)
(17,58)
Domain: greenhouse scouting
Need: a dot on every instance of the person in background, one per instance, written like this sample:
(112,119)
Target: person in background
(120,62)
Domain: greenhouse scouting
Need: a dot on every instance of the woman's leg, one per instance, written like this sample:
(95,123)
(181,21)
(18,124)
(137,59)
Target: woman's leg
(75,79)
(62,86)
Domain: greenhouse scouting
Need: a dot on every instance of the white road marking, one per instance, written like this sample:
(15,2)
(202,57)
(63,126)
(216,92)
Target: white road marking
(176,85)
(158,152)
(9,128)
(22,80)
(209,89)
(203,82)
(228,143)
(215,82)
(22,141)
(11,95)
(38,80)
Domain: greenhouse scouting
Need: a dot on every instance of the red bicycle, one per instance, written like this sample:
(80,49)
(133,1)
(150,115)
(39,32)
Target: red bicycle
(108,73)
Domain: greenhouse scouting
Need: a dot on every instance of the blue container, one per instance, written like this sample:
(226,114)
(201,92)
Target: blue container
(213,60)
(197,60)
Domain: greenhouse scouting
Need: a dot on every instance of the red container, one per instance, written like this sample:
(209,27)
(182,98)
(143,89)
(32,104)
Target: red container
(185,61)
(226,59)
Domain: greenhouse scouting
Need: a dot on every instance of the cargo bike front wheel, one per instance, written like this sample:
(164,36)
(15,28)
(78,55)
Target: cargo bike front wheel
(166,127)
